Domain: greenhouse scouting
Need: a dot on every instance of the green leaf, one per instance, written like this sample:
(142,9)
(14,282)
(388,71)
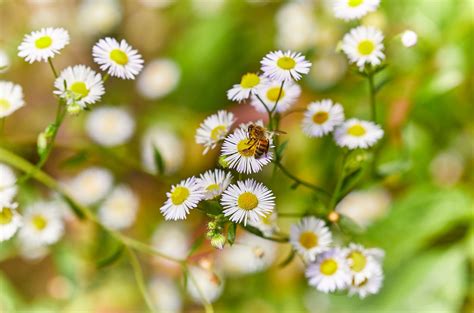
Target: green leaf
(347,224)
(288,259)
(281,148)
(211,207)
(160,164)
(75,160)
(196,244)
(231,233)
(349,182)
(74,207)
(114,256)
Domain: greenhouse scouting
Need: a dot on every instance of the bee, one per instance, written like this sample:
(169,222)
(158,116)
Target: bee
(259,140)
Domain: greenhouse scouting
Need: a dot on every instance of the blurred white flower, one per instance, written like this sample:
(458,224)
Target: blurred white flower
(354,9)
(10,219)
(169,145)
(8,189)
(172,239)
(363,262)
(32,250)
(157,3)
(90,185)
(4,61)
(98,17)
(11,98)
(158,79)
(119,209)
(322,117)
(266,224)
(447,168)
(204,285)
(296,25)
(370,285)
(208,7)
(409,38)
(214,129)
(119,59)
(310,237)
(165,295)
(43,224)
(355,133)
(183,197)
(365,206)
(214,183)
(364,45)
(249,254)
(330,272)
(110,126)
(43,44)
(270,92)
(328,69)
(285,66)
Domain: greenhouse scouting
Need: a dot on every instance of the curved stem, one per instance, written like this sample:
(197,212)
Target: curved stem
(337,189)
(137,271)
(372,91)
(53,69)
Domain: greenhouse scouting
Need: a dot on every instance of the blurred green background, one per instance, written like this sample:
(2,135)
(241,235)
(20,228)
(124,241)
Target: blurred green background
(426,108)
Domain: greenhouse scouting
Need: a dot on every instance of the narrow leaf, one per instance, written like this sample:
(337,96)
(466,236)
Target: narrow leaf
(108,260)
(288,259)
(160,165)
(231,233)
(77,210)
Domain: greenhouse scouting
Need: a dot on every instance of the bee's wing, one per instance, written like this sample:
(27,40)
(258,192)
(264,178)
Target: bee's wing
(276,132)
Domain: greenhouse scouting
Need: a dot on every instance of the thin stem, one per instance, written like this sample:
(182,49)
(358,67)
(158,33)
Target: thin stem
(373,106)
(269,112)
(51,65)
(137,271)
(106,76)
(279,95)
(337,189)
(207,305)
(301,110)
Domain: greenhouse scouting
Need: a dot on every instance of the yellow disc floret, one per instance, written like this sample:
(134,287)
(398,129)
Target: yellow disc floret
(179,195)
(119,57)
(247,201)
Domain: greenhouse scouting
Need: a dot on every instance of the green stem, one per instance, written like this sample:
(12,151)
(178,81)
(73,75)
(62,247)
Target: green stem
(373,105)
(269,112)
(137,271)
(207,305)
(51,65)
(337,189)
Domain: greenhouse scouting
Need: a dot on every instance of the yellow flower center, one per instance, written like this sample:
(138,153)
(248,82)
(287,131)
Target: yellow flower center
(4,105)
(218,132)
(286,63)
(274,92)
(358,261)
(354,3)
(328,267)
(39,222)
(247,201)
(356,130)
(6,216)
(79,89)
(179,195)
(366,47)
(362,283)
(320,117)
(249,80)
(119,57)
(43,42)
(308,239)
(213,187)
(242,147)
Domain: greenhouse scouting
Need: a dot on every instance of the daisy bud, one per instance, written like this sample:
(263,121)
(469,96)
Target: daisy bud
(409,38)
(223,162)
(42,143)
(210,234)
(356,159)
(74,109)
(218,241)
(334,217)
(212,225)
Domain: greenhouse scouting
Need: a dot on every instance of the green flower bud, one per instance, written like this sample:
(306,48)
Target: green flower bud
(42,144)
(218,241)
(74,108)
(223,162)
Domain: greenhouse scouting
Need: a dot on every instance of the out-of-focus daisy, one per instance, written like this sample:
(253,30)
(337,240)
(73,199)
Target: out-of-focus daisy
(310,237)
(43,224)
(409,38)
(4,61)
(43,44)
(272,93)
(172,239)
(159,78)
(247,200)
(98,17)
(10,219)
(214,182)
(250,254)
(327,70)
(354,9)
(267,224)
(286,66)
(370,285)
(170,146)
(8,189)
(90,185)
(330,272)
(165,295)
(322,117)
(79,85)
(119,209)
(249,83)
(32,250)
(447,168)
(296,25)
(362,262)
(110,126)
(363,45)
(183,197)
(11,98)
(239,153)
(118,59)
(355,133)
(204,285)
(214,129)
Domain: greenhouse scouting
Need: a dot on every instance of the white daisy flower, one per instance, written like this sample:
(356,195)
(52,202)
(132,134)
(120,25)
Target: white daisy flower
(247,200)
(110,126)
(409,38)
(363,45)
(285,66)
(159,78)
(79,85)
(355,133)
(249,83)
(249,254)
(330,272)
(10,219)
(267,224)
(43,224)
(271,92)
(8,189)
(165,295)
(90,185)
(354,9)
(43,44)
(11,98)
(204,285)
(119,209)
(213,183)
(370,285)
(322,117)
(362,262)
(118,59)
(310,237)
(183,197)
(214,129)
(238,153)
